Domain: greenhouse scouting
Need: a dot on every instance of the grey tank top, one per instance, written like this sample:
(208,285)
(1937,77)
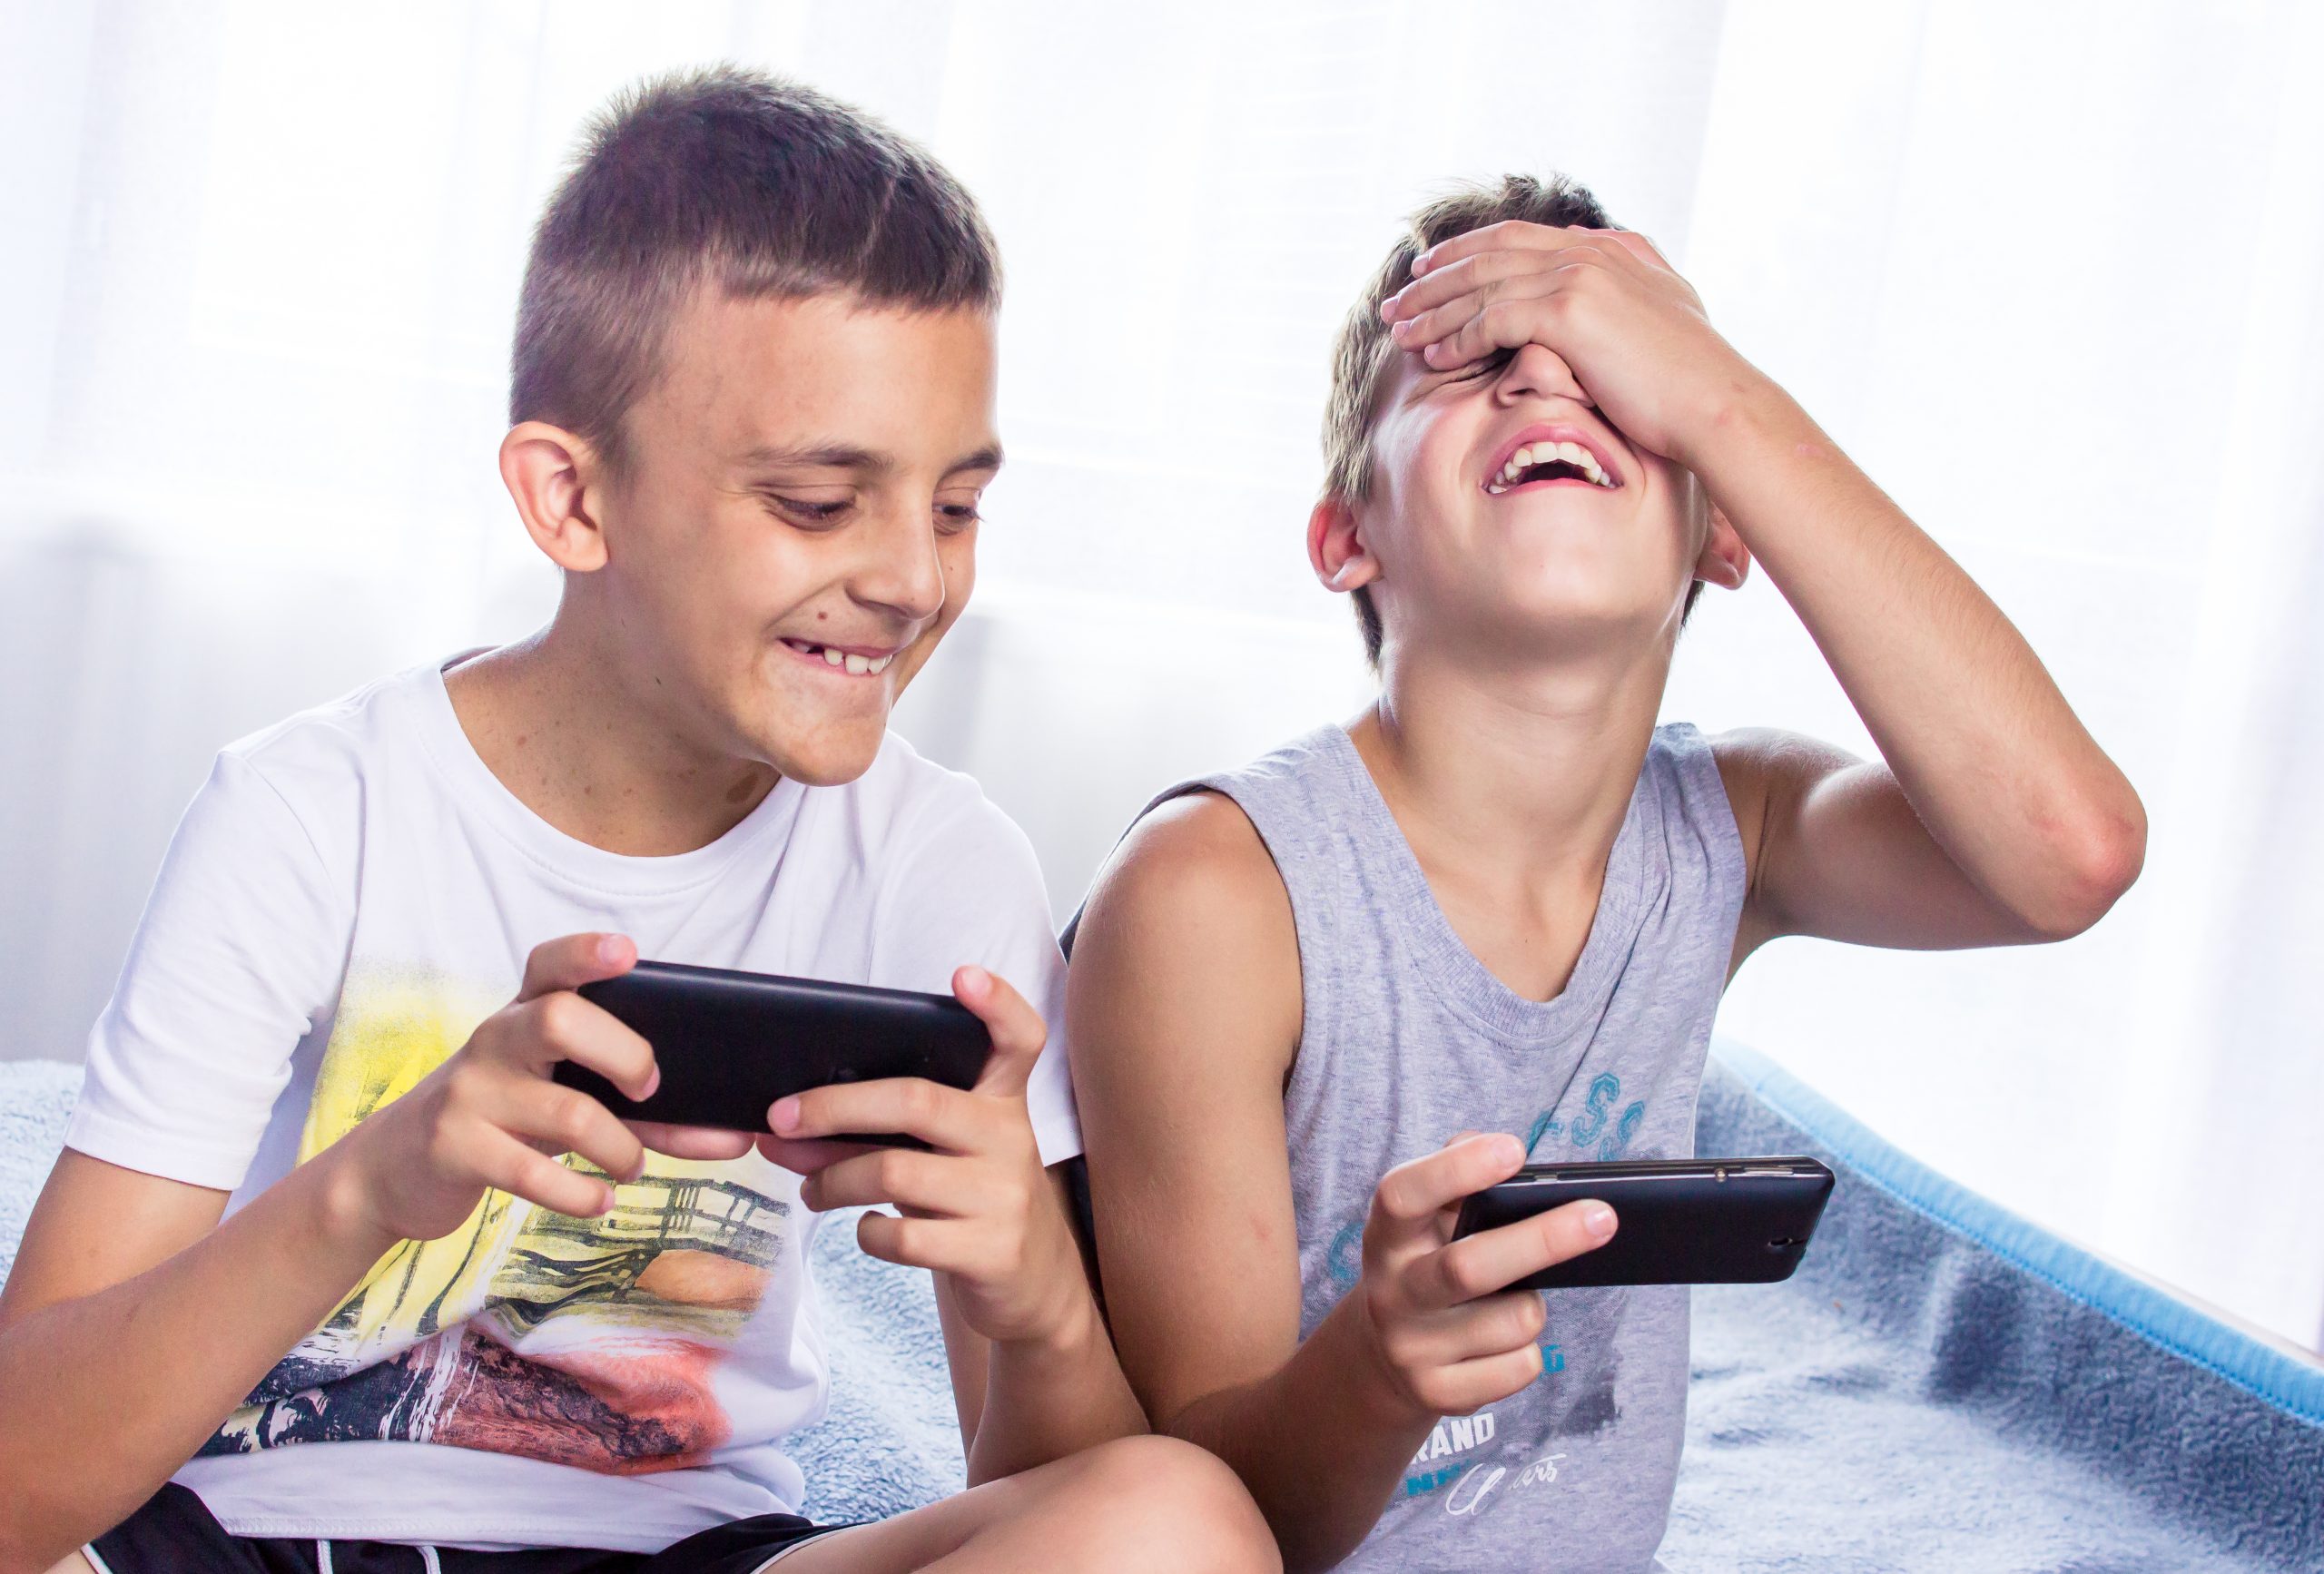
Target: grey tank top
(1407,1040)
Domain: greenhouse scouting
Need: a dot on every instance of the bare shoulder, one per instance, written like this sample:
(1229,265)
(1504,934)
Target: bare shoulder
(1190,922)
(1766,768)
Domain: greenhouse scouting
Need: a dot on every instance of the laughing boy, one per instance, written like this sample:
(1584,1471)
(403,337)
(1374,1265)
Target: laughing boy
(1317,1000)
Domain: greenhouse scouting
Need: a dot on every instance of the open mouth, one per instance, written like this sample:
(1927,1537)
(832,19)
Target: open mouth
(853,663)
(1552,461)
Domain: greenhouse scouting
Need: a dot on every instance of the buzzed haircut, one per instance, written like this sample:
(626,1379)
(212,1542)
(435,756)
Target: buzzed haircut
(1364,352)
(756,185)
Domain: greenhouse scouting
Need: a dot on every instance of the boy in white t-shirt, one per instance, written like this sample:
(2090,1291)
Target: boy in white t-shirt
(331,1270)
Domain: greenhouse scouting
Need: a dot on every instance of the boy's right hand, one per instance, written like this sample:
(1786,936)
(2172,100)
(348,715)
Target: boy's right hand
(1447,1337)
(490,1117)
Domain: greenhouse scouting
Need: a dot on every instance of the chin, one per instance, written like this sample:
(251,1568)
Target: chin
(831,759)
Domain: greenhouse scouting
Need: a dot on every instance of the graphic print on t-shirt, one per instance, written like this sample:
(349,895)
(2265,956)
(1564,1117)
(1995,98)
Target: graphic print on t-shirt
(587,1341)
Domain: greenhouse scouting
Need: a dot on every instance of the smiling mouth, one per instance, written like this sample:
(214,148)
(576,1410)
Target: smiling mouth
(1548,461)
(854,663)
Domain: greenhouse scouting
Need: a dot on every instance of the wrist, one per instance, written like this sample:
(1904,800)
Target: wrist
(338,1205)
(1736,410)
(1351,1342)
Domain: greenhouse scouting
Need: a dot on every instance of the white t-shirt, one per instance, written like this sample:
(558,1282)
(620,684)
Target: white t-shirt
(351,893)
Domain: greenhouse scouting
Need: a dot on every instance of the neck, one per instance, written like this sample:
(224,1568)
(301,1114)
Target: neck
(1518,776)
(553,718)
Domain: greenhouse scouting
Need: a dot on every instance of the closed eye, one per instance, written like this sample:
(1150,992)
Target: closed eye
(1489,367)
(807,513)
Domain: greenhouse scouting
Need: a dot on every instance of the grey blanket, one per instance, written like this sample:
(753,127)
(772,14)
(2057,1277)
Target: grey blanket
(1941,1386)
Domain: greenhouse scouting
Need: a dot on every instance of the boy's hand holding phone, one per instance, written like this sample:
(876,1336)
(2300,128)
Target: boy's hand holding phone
(977,1205)
(1633,331)
(1448,1338)
(490,1116)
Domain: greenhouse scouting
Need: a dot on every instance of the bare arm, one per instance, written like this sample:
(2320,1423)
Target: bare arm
(1023,1404)
(131,1302)
(1184,1012)
(1993,817)
(1034,1377)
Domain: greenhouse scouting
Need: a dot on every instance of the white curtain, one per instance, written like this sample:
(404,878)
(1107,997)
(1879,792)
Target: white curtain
(2053,274)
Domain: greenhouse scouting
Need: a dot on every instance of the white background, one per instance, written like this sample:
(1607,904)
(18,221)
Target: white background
(2052,274)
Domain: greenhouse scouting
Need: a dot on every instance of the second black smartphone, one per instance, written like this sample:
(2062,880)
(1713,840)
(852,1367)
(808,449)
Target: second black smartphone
(730,1044)
(1679,1221)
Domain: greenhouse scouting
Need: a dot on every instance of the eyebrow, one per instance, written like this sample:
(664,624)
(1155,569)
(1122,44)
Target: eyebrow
(850,456)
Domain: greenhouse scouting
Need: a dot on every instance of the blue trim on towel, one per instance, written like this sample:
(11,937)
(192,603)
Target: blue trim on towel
(2283,1380)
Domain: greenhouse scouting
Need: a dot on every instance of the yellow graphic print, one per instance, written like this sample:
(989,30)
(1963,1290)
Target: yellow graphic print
(584,1341)
(390,1033)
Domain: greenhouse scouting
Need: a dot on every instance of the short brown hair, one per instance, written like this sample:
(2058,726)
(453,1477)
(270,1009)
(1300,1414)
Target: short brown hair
(1363,353)
(769,189)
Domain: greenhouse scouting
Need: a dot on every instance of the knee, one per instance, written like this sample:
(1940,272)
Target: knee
(1174,1506)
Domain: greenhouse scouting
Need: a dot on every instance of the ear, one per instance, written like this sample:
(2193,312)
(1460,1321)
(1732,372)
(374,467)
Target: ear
(1336,547)
(549,472)
(1725,561)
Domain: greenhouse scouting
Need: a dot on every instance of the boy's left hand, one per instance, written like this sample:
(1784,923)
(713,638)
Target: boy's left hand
(1633,332)
(979,1208)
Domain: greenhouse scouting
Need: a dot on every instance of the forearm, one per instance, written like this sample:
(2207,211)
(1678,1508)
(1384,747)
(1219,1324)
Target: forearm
(1986,749)
(102,1398)
(1043,1401)
(1319,1453)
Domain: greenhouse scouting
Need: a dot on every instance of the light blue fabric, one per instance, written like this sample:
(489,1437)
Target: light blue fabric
(1941,1386)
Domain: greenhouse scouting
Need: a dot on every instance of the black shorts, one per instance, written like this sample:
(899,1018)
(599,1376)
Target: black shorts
(174,1533)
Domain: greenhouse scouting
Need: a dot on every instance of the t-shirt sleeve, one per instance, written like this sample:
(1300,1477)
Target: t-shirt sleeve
(237,956)
(970,892)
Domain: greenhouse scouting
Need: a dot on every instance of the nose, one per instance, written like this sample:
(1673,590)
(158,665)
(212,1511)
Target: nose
(1536,371)
(901,573)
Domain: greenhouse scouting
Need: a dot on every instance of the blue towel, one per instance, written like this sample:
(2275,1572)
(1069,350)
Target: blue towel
(1941,1386)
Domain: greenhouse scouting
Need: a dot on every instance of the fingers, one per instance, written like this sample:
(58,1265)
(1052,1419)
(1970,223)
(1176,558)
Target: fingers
(570,961)
(1440,322)
(1511,233)
(808,1156)
(1018,1031)
(1492,1326)
(528,1173)
(935,1184)
(1504,324)
(1457,279)
(699,1142)
(565,1026)
(1483,1263)
(944,1246)
(1408,1208)
(567,1120)
(941,1117)
(1473,1384)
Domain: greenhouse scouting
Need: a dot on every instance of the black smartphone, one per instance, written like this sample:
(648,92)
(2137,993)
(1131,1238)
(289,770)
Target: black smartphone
(730,1044)
(1677,1221)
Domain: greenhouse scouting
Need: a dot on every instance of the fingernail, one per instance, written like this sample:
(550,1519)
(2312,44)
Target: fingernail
(784,1115)
(1599,1221)
(653,1081)
(975,979)
(609,949)
(1508,1150)
(605,1202)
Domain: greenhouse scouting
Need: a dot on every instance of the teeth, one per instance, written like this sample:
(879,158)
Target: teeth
(1573,453)
(856,665)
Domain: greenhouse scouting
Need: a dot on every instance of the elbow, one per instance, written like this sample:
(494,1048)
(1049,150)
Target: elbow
(2095,859)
